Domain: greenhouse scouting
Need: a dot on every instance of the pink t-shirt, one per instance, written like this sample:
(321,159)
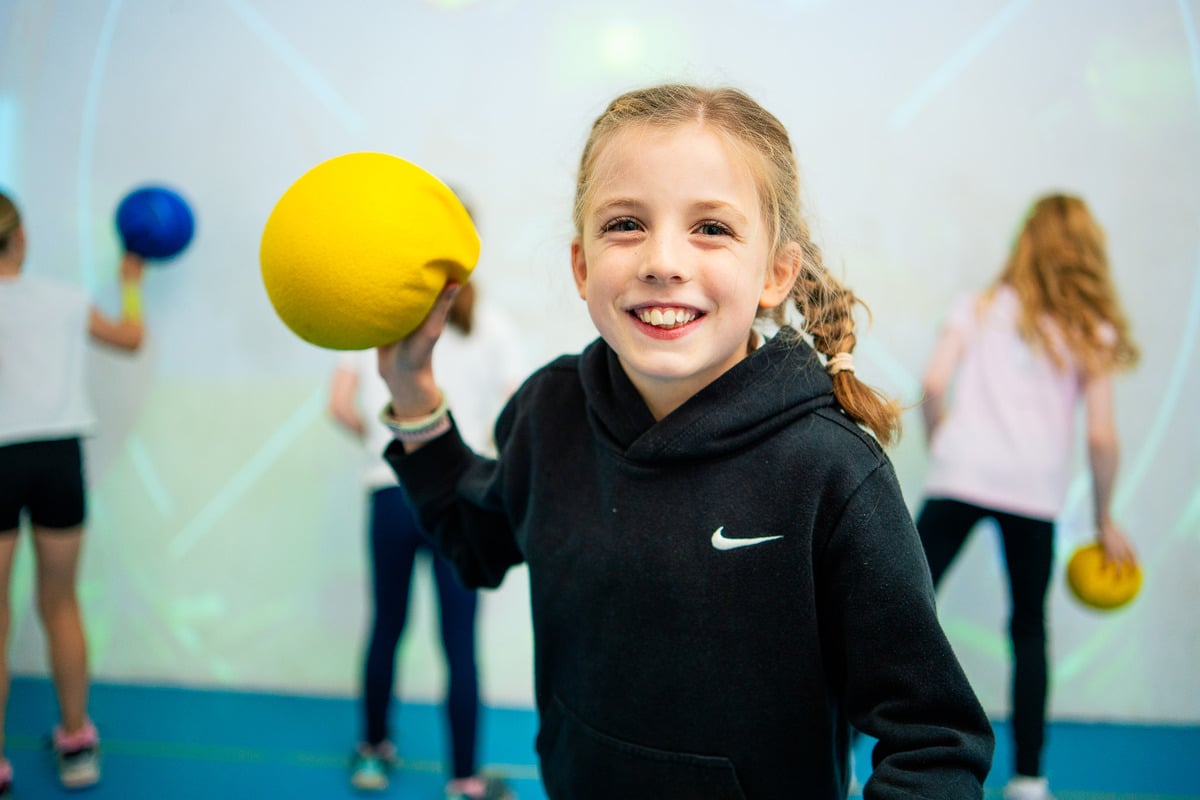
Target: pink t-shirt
(1007,440)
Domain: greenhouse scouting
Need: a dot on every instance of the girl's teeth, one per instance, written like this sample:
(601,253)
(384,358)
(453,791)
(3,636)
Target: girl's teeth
(666,318)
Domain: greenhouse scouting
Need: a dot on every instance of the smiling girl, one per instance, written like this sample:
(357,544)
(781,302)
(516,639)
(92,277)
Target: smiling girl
(724,576)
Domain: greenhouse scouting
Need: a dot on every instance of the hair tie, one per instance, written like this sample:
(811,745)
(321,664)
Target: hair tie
(842,362)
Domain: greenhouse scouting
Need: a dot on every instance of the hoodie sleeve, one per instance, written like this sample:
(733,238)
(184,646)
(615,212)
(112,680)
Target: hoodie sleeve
(455,494)
(903,684)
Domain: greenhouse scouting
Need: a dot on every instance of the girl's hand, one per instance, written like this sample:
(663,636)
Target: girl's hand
(407,365)
(1118,551)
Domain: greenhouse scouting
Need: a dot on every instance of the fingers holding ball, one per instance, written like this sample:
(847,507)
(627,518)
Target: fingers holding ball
(1098,583)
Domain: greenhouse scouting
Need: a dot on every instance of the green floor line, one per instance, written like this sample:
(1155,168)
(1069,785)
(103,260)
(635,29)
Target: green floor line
(249,755)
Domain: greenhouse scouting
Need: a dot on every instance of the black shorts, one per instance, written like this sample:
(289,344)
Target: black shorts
(45,479)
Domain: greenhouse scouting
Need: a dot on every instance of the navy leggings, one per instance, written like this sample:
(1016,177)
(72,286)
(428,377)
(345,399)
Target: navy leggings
(1029,557)
(395,540)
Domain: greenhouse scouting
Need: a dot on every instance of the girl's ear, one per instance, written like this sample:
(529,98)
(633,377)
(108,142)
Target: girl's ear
(781,276)
(579,267)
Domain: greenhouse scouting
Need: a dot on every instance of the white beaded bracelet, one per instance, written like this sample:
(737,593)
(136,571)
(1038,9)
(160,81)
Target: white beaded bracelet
(417,431)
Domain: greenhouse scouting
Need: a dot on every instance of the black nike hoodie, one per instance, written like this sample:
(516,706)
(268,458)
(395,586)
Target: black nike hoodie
(716,596)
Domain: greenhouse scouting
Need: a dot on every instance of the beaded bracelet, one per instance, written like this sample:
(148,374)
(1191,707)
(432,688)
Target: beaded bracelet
(417,431)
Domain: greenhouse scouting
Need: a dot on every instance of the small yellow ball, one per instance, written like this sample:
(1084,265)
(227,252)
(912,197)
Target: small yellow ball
(357,250)
(1097,584)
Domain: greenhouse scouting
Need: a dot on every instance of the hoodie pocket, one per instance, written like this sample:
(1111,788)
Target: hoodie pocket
(580,763)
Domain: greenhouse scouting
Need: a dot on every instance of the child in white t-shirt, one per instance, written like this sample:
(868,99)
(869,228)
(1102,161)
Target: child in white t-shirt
(44,412)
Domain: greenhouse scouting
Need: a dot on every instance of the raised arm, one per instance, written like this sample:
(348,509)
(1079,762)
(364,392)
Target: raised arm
(127,331)
(454,490)
(1103,458)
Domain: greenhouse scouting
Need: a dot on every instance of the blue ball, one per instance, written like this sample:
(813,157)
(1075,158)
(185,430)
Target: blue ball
(154,222)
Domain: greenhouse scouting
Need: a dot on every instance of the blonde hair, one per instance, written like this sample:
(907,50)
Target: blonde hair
(1059,269)
(825,304)
(10,220)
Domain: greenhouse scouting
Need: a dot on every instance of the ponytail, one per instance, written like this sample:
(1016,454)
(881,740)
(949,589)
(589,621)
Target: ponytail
(827,307)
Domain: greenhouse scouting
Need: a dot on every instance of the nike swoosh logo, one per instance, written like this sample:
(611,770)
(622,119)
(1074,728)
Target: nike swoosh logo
(720,542)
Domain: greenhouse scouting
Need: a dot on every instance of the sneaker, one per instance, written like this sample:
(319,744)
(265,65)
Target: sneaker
(78,757)
(479,787)
(1022,787)
(370,766)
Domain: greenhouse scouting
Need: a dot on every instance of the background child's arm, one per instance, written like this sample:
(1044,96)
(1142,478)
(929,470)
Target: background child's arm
(342,401)
(1103,456)
(938,375)
(127,331)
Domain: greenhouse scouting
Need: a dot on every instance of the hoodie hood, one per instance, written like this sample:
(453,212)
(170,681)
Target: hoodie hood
(764,392)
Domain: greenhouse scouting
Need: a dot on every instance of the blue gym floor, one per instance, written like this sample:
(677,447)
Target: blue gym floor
(179,744)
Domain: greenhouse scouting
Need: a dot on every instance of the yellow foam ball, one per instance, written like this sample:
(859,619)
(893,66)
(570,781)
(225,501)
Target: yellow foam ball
(1097,584)
(357,250)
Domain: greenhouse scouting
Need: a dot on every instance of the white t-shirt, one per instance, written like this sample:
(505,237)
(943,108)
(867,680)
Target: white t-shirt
(1007,441)
(43,356)
(478,373)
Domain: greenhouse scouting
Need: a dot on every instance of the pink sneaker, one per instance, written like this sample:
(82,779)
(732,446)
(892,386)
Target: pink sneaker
(78,756)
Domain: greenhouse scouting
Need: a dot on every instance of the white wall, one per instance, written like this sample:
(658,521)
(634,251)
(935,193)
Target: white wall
(226,543)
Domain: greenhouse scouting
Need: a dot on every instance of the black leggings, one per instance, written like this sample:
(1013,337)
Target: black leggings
(395,540)
(1029,557)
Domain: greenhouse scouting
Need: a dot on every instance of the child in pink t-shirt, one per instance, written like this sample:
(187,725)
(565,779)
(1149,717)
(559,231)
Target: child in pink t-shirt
(1020,356)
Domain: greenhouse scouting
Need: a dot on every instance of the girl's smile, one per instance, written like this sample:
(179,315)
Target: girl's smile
(666,322)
